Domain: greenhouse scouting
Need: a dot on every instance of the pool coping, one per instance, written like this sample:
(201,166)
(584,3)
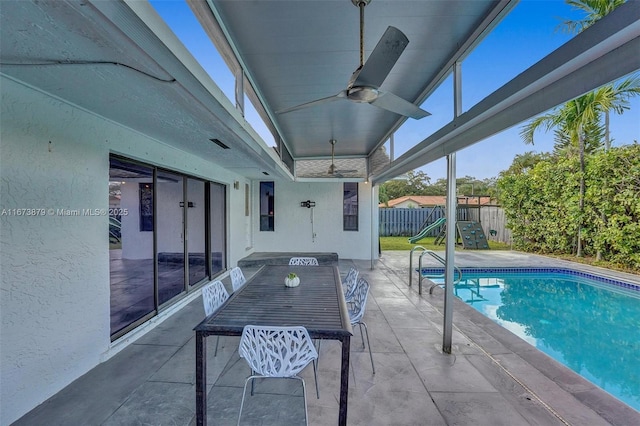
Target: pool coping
(501,344)
(602,278)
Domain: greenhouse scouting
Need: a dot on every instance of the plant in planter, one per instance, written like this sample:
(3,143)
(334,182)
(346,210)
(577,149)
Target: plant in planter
(292,280)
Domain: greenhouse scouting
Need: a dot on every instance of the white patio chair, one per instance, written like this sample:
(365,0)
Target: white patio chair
(356,308)
(349,284)
(303,261)
(237,278)
(280,352)
(213,296)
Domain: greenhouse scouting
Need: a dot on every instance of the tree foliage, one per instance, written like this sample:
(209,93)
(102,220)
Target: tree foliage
(467,185)
(414,183)
(593,10)
(418,183)
(541,203)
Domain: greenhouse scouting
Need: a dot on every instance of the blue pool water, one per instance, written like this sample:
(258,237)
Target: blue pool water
(589,324)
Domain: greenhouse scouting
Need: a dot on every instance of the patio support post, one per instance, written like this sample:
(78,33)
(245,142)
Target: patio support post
(240,90)
(375,214)
(451,215)
(449,253)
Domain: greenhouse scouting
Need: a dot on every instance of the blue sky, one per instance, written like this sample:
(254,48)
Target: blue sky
(526,35)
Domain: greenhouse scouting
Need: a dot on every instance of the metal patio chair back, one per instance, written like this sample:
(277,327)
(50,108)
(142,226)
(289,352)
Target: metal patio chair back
(213,296)
(237,278)
(349,284)
(303,261)
(276,352)
(356,308)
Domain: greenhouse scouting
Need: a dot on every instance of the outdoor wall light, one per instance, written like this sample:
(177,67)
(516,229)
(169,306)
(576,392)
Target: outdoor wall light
(308,204)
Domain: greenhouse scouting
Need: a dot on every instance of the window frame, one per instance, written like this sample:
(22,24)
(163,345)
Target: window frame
(348,224)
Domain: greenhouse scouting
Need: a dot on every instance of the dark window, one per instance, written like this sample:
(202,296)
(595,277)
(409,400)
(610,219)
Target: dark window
(146,206)
(266,206)
(350,206)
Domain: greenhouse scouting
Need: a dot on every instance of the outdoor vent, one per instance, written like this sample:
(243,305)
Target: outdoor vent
(220,144)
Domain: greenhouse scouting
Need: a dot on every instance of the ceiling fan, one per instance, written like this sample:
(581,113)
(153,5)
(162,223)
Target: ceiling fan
(365,81)
(333,171)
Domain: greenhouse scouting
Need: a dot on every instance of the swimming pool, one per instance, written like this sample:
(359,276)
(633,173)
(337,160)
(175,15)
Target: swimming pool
(588,323)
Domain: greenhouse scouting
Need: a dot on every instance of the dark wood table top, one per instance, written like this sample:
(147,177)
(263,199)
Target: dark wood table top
(317,303)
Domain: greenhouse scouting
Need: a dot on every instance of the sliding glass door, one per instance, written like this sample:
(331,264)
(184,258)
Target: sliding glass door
(167,235)
(196,233)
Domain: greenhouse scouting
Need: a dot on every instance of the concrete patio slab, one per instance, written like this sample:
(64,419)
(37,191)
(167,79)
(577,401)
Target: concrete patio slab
(491,378)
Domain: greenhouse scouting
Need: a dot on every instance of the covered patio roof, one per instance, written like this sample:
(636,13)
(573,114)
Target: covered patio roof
(287,53)
(292,53)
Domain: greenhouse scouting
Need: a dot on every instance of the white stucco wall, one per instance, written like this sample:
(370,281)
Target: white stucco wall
(54,292)
(293,227)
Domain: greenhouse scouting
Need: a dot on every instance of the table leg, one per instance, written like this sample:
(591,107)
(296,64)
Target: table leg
(201,379)
(344,381)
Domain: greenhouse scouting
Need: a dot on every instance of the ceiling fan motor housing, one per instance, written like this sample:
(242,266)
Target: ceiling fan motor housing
(362,94)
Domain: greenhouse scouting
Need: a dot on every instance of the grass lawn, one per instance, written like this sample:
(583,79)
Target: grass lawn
(402,243)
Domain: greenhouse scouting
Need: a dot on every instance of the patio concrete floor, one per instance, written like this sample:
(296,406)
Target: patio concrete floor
(491,378)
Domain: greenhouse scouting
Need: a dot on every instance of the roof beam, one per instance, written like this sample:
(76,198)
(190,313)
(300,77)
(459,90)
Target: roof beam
(605,52)
(496,15)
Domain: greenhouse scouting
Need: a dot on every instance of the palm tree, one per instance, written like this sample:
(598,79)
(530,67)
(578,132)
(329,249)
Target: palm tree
(593,9)
(577,121)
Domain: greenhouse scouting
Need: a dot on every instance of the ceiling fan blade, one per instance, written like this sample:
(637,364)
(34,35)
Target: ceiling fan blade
(393,103)
(382,59)
(342,94)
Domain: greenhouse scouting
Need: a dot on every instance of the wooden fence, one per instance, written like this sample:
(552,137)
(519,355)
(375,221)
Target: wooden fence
(409,222)
(493,218)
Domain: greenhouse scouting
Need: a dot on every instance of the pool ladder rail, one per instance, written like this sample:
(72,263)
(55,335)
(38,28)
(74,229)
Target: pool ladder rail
(437,257)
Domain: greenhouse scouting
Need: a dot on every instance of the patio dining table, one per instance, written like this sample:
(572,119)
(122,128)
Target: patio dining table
(317,304)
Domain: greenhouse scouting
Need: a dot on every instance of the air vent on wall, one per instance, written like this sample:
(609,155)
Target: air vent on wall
(220,144)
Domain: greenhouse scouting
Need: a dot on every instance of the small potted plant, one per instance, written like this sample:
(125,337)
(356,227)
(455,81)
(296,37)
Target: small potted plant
(292,280)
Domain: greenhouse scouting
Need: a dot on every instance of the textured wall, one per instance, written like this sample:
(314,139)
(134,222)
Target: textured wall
(293,227)
(54,291)
(55,288)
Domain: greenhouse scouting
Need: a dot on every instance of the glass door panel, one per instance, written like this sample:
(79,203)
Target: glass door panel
(130,243)
(170,236)
(218,208)
(196,233)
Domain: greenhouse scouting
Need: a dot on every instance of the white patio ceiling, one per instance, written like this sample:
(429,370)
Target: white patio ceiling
(119,60)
